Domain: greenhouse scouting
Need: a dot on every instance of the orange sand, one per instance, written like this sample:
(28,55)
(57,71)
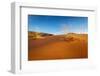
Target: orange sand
(58,47)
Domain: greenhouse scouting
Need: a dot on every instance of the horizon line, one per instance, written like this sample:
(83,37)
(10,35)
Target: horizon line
(61,33)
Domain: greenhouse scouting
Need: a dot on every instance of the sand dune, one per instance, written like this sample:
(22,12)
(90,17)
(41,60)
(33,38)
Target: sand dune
(58,47)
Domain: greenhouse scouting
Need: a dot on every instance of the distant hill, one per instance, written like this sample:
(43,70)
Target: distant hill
(32,33)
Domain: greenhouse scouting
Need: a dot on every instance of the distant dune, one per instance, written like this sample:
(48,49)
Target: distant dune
(58,47)
(31,34)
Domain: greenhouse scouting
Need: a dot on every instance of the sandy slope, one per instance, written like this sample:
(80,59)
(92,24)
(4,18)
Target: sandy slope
(58,47)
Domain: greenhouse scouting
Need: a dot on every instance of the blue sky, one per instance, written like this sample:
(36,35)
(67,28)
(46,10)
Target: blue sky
(57,24)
